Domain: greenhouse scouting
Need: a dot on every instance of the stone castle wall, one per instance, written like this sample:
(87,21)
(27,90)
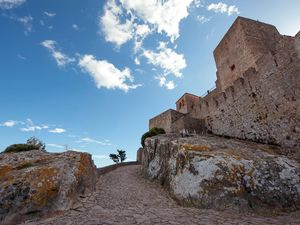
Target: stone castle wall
(263,105)
(258,99)
(245,42)
(165,119)
(174,122)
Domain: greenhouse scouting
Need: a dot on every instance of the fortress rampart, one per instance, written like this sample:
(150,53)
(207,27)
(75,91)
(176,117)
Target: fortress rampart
(257,95)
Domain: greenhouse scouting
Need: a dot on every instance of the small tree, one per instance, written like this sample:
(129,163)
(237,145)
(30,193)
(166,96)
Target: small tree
(114,157)
(36,142)
(121,156)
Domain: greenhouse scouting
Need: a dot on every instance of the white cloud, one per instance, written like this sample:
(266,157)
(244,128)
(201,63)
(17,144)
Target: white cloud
(114,30)
(49,14)
(164,15)
(27,23)
(106,75)
(31,127)
(203,19)
(232,9)
(57,130)
(167,59)
(223,8)
(75,27)
(137,61)
(60,58)
(199,3)
(9,4)
(164,83)
(121,20)
(10,123)
(142,30)
(88,140)
(56,146)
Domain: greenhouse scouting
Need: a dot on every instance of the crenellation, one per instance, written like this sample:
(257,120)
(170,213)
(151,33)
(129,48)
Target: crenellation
(257,95)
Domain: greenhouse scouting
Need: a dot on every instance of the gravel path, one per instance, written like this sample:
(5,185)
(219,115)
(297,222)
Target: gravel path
(124,197)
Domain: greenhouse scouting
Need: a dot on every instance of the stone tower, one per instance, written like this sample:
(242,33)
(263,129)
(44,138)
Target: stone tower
(245,42)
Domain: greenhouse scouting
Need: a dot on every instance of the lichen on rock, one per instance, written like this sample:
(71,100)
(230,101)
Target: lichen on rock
(37,182)
(213,172)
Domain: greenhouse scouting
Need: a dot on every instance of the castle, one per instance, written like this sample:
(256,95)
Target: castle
(257,94)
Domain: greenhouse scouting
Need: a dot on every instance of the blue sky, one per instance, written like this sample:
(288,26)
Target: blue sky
(90,74)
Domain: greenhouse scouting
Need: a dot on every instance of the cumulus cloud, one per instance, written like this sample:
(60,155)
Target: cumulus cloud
(199,3)
(170,61)
(115,31)
(223,8)
(57,131)
(88,140)
(164,83)
(123,20)
(9,4)
(106,75)
(49,14)
(9,123)
(164,15)
(60,58)
(31,127)
(142,30)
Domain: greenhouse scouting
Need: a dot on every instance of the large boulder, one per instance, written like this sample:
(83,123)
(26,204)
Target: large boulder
(214,172)
(35,182)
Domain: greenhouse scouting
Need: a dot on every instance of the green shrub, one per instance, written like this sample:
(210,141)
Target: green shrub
(153,132)
(36,142)
(21,148)
(32,144)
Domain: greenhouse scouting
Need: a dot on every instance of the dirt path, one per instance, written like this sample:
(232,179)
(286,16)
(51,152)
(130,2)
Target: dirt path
(124,197)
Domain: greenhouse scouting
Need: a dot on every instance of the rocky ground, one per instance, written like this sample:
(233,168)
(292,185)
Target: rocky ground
(123,197)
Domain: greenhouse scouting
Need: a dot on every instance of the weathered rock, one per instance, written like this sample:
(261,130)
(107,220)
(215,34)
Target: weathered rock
(37,182)
(214,172)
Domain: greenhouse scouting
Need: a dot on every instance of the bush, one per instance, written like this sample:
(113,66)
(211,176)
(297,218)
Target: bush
(21,148)
(36,142)
(32,144)
(153,132)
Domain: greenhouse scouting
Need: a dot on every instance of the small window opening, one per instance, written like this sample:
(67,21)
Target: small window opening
(232,67)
